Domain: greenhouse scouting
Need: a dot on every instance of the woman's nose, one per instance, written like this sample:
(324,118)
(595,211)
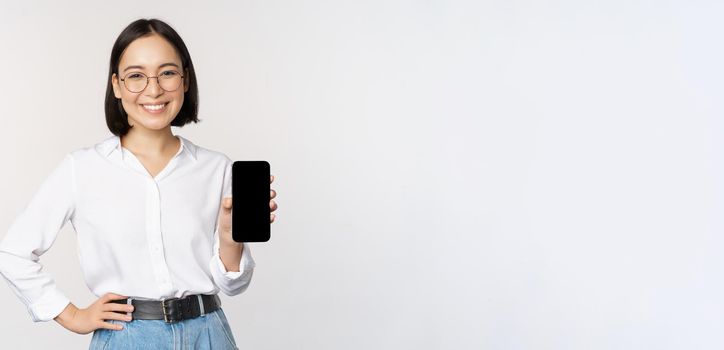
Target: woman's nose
(153,88)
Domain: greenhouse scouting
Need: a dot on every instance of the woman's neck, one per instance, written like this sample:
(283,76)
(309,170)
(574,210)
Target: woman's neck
(150,144)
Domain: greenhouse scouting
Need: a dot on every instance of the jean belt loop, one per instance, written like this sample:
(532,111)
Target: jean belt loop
(129,302)
(201,304)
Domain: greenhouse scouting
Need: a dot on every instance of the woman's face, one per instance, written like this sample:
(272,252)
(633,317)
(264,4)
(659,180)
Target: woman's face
(153,56)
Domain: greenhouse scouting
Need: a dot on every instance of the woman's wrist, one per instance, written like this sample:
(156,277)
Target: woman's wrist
(227,240)
(67,315)
(230,254)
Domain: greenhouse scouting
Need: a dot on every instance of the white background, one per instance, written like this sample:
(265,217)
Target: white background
(450,175)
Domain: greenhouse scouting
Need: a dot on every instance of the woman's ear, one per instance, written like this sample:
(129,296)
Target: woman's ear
(116,87)
(186,81)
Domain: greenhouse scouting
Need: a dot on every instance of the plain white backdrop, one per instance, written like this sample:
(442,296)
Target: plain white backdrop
(450,174)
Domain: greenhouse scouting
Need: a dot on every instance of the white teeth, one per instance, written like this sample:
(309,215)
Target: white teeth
(154,107)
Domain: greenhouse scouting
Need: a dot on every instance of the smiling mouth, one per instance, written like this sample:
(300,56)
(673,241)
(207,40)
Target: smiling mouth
(158,108)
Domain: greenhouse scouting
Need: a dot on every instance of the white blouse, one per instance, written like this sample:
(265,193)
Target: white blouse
(139,236)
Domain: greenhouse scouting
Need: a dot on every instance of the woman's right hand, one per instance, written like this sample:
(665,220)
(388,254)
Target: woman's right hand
(84,321)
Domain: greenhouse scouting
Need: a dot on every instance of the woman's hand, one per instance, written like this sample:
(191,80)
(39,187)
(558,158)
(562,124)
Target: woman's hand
(225,215)
(84,321)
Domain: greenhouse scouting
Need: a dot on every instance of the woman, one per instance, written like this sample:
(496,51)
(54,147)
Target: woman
(154,240)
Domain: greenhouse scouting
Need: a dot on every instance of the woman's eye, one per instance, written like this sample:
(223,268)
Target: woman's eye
(169,73)
(134,76)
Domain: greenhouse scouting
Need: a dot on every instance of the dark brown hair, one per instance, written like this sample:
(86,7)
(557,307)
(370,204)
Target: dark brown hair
(116,117)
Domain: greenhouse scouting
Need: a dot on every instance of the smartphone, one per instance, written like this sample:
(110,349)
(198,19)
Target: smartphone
(250,189)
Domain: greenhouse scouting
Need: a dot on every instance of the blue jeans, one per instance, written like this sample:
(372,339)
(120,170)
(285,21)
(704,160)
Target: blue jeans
(208,331)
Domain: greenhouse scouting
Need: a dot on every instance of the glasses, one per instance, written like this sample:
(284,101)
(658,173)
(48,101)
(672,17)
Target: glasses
(169,81)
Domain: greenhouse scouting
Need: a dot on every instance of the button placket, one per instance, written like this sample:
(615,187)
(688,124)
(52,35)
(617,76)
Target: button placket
(154,236)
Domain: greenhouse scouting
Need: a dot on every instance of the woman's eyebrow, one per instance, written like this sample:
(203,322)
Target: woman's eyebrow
(161,66)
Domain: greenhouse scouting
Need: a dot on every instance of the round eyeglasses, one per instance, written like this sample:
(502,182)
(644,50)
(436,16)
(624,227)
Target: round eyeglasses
(169,81)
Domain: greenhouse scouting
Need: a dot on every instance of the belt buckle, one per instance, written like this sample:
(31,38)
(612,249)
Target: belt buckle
(165,313)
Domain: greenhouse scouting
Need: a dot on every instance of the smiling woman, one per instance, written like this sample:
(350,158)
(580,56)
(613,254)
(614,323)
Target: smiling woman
(151,211)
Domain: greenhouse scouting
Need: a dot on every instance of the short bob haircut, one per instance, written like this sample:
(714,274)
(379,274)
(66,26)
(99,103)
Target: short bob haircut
(116,117)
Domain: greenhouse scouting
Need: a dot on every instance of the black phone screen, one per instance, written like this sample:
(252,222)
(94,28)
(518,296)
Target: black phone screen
(250,210)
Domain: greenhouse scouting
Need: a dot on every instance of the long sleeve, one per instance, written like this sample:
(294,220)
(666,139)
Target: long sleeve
(231,282)
(31,235)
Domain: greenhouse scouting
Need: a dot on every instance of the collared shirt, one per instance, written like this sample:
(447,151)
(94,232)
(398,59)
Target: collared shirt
(140,236)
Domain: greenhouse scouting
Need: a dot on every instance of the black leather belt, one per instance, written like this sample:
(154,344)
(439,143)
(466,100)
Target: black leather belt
(173,309)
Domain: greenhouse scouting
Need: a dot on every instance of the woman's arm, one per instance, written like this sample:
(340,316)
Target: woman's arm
(231,265)
(31,235)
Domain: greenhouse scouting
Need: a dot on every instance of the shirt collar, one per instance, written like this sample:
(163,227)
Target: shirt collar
(113,143)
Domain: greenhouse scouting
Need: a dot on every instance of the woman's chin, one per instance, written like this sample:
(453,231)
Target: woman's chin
(151,124)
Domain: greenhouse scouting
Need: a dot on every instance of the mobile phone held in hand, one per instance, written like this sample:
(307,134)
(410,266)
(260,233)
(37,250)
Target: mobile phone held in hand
(250,189)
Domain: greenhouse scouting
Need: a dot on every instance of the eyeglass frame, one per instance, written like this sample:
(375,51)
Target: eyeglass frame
(148,79)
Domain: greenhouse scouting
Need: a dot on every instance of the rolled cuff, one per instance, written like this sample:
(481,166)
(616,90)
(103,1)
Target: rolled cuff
(233,282)
(49,306)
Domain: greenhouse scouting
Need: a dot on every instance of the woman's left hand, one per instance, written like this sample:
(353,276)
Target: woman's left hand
(225,215)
